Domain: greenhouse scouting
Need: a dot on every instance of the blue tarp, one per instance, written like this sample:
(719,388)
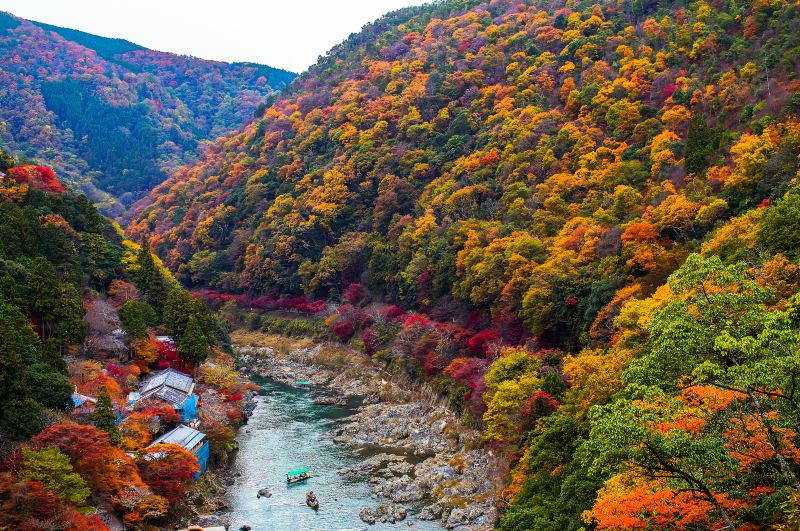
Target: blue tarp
(188,410)
(202,457)
(77,400)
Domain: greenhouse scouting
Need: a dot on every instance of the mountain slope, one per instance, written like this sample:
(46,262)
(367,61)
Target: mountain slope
(592,207)
(114,116)
(441,132)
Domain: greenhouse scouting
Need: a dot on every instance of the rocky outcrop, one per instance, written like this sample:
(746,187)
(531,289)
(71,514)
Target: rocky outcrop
(419,453)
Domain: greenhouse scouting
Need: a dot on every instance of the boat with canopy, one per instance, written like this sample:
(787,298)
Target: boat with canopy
(295,476)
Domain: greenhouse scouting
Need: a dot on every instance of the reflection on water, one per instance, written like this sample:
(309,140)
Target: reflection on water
(284,434)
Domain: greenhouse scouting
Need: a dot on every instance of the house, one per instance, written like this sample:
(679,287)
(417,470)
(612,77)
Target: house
(190,439)
(173,387)
(82,404)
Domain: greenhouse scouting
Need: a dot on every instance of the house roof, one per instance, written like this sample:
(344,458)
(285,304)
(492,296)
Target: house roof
(170,385)
(182,436)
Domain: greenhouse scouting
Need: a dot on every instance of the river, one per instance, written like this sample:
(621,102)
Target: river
(285,433)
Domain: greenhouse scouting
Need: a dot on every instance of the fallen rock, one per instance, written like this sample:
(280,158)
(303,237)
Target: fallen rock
(391,512)
(264,492)
(367,516)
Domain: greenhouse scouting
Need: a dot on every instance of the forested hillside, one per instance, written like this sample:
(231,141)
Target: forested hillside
(80,307)
(588,215)
(112,116)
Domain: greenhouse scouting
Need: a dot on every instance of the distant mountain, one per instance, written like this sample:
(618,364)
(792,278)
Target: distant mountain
(113,117)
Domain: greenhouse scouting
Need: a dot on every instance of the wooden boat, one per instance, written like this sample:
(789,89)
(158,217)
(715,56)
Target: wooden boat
(296,476)
(312,501)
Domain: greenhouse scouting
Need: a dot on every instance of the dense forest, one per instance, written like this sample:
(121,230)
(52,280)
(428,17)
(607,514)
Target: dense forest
(578,220)
(80,306)
(112,116)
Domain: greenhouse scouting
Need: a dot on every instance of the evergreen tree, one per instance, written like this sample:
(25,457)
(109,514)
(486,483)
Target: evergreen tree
(100,260)
(701,142)
(193,346)
(68,312)
(19,413)
(104,417)
(149,279)
(180,306)
(51,355)
(135,317)
(48,387)
(6,161)
(44,293)
(10,291)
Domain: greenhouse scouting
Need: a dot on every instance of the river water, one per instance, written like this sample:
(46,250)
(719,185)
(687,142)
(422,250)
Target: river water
(284,433)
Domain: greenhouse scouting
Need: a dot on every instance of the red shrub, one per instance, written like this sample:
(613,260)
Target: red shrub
(474,320)
(234,415)
(264,302)
(416,320)
(38,177)
(478,345)
(434,363)
(370,339)
(470,373)
(395,313)
(235,397)
(344,330)
(354,293)
(539,405)
(292,303)
(312,307)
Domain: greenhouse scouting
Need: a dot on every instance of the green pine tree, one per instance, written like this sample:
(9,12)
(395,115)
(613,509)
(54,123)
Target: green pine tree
(20,415)
(701,142)
(149,279)
(44,294)
(104,417)
(193,346)
(134,317)
(180,306)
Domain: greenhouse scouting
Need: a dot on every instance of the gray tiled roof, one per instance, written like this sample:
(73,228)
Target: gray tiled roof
(170,385)
(182,436)
(170,377)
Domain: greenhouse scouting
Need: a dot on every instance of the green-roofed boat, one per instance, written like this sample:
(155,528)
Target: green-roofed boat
(296,476)
(303,384)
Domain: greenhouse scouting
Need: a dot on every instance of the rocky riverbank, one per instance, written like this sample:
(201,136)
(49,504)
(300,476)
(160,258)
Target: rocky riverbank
(418,454)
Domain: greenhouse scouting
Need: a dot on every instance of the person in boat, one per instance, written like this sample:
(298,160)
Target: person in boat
(310,496)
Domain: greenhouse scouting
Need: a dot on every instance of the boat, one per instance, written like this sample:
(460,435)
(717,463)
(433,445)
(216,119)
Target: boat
(312,501)
(303,384)
(296,476)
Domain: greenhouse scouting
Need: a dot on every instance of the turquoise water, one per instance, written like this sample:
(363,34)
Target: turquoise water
(284,434)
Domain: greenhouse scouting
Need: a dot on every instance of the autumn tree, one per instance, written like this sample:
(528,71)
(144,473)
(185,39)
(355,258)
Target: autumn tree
(53,470)
(168,469)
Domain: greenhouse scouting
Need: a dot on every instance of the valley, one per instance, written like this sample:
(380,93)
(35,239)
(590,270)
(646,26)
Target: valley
(514,265)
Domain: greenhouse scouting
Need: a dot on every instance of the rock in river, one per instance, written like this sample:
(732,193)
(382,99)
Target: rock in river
(367,516)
